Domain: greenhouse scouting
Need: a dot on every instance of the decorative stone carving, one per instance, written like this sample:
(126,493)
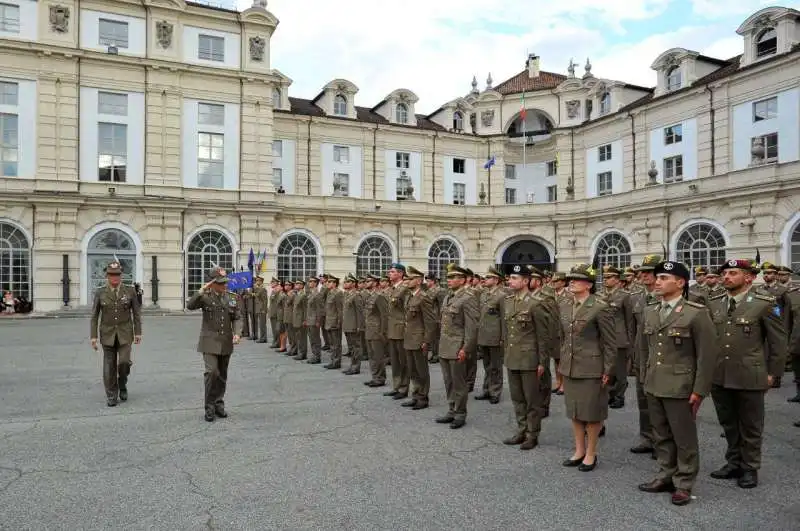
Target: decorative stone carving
(588,68)
(260,3)
(573,109)
(257,45)
(652,173)
(482,195)
(757,150)
(487,118)
(763,22)
(571,68)
(671,61)
(59,19)
(489,82)
(474,85)
(164,34)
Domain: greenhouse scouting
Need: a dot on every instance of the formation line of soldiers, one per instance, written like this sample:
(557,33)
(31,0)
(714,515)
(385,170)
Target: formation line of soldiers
(680,344)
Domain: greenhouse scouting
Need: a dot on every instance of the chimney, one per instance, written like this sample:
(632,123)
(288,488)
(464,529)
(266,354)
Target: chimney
(533,65)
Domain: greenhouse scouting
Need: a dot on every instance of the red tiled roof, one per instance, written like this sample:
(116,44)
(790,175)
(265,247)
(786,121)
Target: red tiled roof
(308,108)
(522,82)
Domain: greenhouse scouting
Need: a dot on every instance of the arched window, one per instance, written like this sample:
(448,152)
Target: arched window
(340,105)
(102,248)
(374,256)
(401,113)
(614,249)
(674,78)
(794,250)
(15,261)
(605,103)
(297,257)
(767,43)
(700,244)
(444,251)
(206,248)
(277,98)
(458,121)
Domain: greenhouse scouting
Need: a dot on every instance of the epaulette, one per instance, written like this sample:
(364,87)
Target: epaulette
(653,302)
(694,304)
(764,297)
(717,297)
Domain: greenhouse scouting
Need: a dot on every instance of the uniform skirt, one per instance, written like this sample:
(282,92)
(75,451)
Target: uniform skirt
(585,399)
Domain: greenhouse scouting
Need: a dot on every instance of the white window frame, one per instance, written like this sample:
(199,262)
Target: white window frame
(459,194)
(9,153)
(9,93)
(206,141)
(339,177)
(673,169)
(117,34)
(512,174)
(458,121)
(210,52)
(552,168)
(9,24)
(212,114)
(402,160)
(770,141)
(765,109)
(511,196)
(112,103)
(341,154)
(552,193)
(604,153)
(277,149)
(759,39)
(115,154)
(673,134)
(277,98)
(401,113)
(603,178)
(674,78)
(340,105)
(463,166)
(605,103)
(277,177)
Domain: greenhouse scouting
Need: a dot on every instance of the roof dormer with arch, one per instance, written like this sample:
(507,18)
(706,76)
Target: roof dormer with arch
(280,91)
(453,115)
(769,32)
(338,99)
(398,107)
(678,68)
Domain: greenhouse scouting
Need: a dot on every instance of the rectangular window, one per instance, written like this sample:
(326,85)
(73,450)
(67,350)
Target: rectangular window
(341,185)
(277,177)
(552,194)
(277,149)
(9,18)
(552,168)
(9,93)
(9,145)
(765,109)
(511,196)
(604,183)
(210,114)
(341,154)
(673,169)
(113,33)
(459,165)
(459,193)
(674,79)
(402,160)
(511,172)
(673,134)
(770,148)
(211,48)
(112,152)
(210,160)
(604,153)
(114,104)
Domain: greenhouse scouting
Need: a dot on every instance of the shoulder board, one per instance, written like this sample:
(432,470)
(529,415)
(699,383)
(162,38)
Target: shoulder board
(654,303)
(764,297)
(509,296)
(717,297)
(694,304)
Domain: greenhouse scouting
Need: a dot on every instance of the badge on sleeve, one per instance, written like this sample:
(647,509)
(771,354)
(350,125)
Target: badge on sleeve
(777,311)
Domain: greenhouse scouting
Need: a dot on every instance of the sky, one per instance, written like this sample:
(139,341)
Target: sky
(435,47)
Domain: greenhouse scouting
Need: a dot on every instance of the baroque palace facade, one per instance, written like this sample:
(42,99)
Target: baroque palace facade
(157,131)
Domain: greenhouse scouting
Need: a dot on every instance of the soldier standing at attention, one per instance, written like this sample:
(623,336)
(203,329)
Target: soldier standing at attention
(545,295)
(473,286)
(261,298)
(587,361)
(746,322)
(249,315)
(117,311)
(459,336)
(280,302)
(679,345)
(622,307)
(324,291)
(288,317)
(398,296)
(699,292)
(713,285)
(299,310)
(334,311)
(363,292)
(353,309)
(376,319)
(436,295)
(314,313)
(559,285)
(526,343)
(219,332)
(419,333)
(490,336)
(241,301)
(274,296)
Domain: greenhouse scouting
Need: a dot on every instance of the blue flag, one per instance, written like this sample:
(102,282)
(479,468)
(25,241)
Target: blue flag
(240,280)
(251,259)
(489,163)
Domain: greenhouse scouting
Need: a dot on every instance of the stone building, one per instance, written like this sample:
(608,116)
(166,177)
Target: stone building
(157,131)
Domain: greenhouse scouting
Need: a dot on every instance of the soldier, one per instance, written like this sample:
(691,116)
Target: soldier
(241,301)
(628,280)
(280,302)
(474,288)
(699,292)
(219,332)
(299,320)
(352,316)
(679,345)
(781,292)
(288,317)
(363,292)
(334,312)
(792,297)
(546,296)
(526,344)
(117,311)
(398,296)
(324,290)
(559,285)
(490,336)
(384,283)
(314,310)
(419,332)
(622,307)
(746,321)
(376,320)
(784,275)
(249,313)
(261,303)
(713,285)
(274,305)
(459,336)
(436,295)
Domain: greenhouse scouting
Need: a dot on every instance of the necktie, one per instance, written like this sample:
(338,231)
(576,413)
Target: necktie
(731,306)
(664,312)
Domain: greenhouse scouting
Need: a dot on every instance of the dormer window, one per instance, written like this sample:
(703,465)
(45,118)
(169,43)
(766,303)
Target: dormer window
(340,105)
(401,113)
(674,78)
(458,121)
(767,43)
(605,103)
(277,101)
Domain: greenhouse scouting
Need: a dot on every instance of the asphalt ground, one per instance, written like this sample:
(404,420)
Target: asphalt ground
(306,448)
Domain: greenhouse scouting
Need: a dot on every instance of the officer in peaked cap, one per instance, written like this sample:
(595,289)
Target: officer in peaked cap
(490,335)
(621,302)
(436,294)
(117,319)
(473,286)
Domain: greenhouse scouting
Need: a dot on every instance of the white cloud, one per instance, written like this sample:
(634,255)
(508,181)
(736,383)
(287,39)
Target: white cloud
(725,8)
(434,47)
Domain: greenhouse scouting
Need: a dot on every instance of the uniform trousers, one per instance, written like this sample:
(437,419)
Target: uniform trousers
(261,317)
(116,367)
(417,362)
(291,346)
(434,348)
(354,346)
(741,414)
(645,427)
(675,440)
(301,341)
(245,323)
(546,389)
(363,344)
(376,349)
(454,373)
(335,344)
(216,379)
(492,370)
(314,341)
(326,337)
(276,332)
(251,317)
(472,370)
(400,372)
(620,374)
(525,390)
(796,366)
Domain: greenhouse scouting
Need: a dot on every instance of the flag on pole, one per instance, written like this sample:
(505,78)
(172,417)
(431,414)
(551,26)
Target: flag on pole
(523,113)
(263,267)
(489,163)
(251,259)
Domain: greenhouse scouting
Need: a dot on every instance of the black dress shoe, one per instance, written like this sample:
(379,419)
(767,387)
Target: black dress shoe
(572,463)
(300,357)
(410,403)
(727,472)
(209,416)
(797,424)
(616,403)
(391,393)
(418,406)
(749,479)
(111,402)
(375,384)
(220,412)
(457,423)
(560,392)
(123,394)
(494,400)
(529,444)
(642,449)
(400,396)
(518,438)
(583,467)
(657,485)
(314,362)
(446,419)
(484,396)
(261,341)
(332,366)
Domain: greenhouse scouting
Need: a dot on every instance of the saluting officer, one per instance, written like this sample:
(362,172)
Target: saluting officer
(436,294)
(746,321)
(419,333)
(274,305)
(376,320)
(490,336)
(117,311)
(288,318)
(220,330)
(473,286)
(679,345)
(546,295)
(398,296)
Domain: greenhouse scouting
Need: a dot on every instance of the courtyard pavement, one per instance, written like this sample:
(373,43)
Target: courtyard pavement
(306,448)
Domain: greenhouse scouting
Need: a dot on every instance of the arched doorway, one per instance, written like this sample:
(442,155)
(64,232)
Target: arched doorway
(102,249)
(15,261)
(527,252)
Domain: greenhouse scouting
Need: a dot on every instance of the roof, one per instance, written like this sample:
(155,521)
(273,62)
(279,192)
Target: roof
(522,82)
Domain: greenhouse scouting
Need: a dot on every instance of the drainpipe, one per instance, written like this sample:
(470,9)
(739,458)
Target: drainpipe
(633,146)
(433,168)
(374,162)
(712,128)
(308,157)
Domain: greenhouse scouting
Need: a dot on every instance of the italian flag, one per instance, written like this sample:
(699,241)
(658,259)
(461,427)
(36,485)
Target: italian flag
(523,113)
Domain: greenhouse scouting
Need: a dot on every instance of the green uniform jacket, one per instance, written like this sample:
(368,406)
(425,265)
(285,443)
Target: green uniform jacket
(589,348)
(459,325)
(334,309)
(261,298)
(300,308)
(526,338)
(398,296)
(352,310)
(118,314)
(315,308)
(490,325)
(376,314)
(420,321)
(221,321)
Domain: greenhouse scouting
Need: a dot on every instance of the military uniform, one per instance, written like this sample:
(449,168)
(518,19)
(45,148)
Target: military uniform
(241,299)
(261,303)
(280,312)
(745,323)
(352,324)
(315,303)
(396,328)
(619,300)
(250,313)
(117,317)
(547,298)
(436,294)
(324,292)
(472,357)
(299,311)
(490,339)
(272,308)
(334,313)
(219,331)
(376,320)
(288,320)
(418,334)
